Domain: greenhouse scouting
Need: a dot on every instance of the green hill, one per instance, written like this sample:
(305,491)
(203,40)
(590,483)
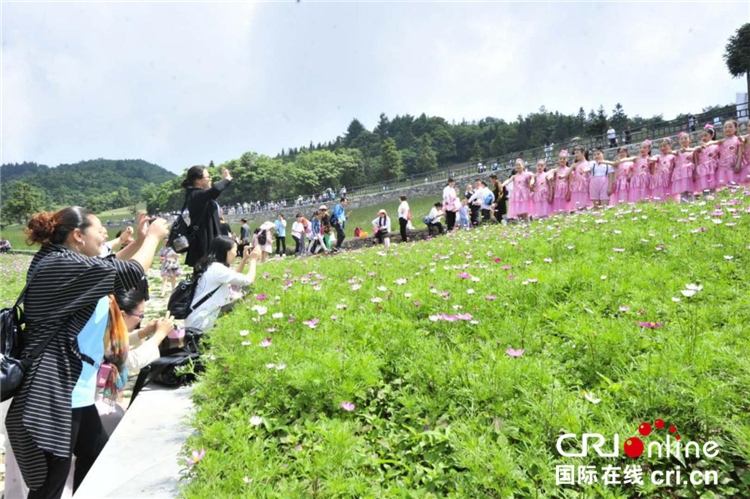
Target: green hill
(97,184)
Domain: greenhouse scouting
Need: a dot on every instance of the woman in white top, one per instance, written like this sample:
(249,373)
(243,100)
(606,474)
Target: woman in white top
(404,215)
(450,203)
(218,282)
(381,227)
(436,213)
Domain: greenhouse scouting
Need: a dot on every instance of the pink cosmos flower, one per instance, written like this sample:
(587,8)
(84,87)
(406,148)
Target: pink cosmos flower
(490,297)
(353,280)
(334,317)
(355,287)
(265,343)
(533,280)
(464,317)
(271,329)
(348,406)
(624,308)
(376,299)
(261,297)
(506,267)
(514,353)
(416,303)
(650,325)
(291,318)
(312,323)
(196,457)
(511,276)
(464,276)
(497,260)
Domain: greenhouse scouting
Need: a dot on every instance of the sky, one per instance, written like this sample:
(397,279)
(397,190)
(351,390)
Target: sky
(179,84)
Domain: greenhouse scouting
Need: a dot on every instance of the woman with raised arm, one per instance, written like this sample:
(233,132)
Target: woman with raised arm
(200,200)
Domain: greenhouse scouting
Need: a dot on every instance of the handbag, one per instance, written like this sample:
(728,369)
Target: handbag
(13,365)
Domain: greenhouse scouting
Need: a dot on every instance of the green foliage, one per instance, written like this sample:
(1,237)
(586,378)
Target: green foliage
(441,409)
(24,201)
(737,54)
(427,160)
(390,159)
(97,184)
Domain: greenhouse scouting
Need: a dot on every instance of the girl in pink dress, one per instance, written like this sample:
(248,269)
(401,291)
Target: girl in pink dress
(579,181)
(521,204)
(542,191)
(599,187)
(706,159)
(619,183)
(684,170)
(560,184)
(641,171)
(730,156)
(661,177)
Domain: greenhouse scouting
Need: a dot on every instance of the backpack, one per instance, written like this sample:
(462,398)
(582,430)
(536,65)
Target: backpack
(262,238)
(13,366)
(180,233)
(182,296)
(489,198)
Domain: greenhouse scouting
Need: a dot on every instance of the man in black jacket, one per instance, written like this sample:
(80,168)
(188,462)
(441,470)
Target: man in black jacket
(201,203)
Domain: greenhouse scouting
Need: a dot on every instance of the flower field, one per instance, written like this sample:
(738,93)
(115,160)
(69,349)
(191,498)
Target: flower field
(450,368)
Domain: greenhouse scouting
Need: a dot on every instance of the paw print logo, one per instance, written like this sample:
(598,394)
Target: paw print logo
(634,446)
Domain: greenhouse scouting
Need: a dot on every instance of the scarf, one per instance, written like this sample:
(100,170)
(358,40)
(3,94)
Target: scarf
(116,346)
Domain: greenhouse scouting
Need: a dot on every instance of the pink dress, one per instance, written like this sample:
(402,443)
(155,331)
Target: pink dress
(579,187)
(744,176)
(682,175)
(729,150)
(559,203)
(520,199)
(542,206)
(621,185)
(705,170)
(659,186)
(639,180)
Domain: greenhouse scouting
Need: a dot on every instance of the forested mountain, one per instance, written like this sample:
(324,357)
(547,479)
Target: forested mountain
(97,184)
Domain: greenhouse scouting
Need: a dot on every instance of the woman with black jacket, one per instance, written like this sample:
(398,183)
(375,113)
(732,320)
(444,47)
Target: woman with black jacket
(200,200)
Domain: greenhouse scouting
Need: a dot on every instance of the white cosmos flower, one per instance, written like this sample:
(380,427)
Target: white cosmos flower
(694,287)
(256,420)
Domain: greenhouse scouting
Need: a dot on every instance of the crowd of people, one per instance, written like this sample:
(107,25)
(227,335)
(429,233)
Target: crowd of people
(86,295)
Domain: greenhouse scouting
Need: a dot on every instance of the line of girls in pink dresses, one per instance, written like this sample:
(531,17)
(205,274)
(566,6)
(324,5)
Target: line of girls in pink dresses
(673,174)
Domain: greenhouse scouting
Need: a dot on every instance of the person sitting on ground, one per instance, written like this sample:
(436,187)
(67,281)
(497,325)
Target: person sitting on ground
(4,245)
(433,219)
(216,279)
(381,227)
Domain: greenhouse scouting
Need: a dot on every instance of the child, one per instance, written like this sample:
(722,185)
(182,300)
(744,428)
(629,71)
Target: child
(599,186)
(706,158)
(730,156)
(265,240)
(580,176)
(660,181)
(542,192)
(560,184)
(619,181)
(744,176)
(463,214)
(684,170)
(639,178)
(381,227)
(520,198)
(170,266)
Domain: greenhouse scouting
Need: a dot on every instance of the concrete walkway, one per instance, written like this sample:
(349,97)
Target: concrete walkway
(142,457)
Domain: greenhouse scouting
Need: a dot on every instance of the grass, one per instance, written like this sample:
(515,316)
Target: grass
(441,409)
(13,269)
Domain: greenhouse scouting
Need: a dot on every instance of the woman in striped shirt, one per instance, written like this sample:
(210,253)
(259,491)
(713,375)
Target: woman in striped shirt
(53,414)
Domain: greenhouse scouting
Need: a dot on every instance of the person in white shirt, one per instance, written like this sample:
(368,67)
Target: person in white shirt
(218,285)
(404,215)
(450,203)
(436,213)
(298,234)
(381,227)
(612,136)
(481,196)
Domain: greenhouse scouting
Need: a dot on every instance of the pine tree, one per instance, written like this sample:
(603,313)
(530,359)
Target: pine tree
(427,159)
(619,119)
(737,55)
(390,160)
(477,153)
(383,126)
